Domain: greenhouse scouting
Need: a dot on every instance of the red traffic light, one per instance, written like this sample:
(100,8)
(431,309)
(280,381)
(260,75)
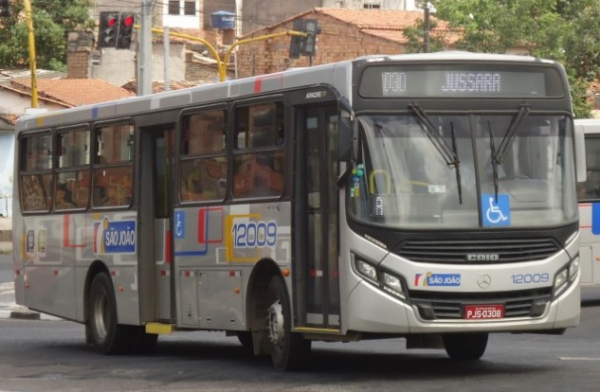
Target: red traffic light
(111,21)
(128,20)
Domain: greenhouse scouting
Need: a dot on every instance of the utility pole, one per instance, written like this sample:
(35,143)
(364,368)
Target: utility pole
(32,60)
(144,82)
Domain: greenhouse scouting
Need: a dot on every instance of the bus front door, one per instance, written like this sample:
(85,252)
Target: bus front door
(157,180)
(316,252)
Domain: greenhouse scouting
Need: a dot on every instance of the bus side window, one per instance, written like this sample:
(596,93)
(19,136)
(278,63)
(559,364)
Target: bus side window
(205,176)
(590,189)
(259,161)
(36,168)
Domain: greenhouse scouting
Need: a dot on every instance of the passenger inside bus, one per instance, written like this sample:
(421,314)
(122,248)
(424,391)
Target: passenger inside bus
(63,197)
(204,178)
(257,177)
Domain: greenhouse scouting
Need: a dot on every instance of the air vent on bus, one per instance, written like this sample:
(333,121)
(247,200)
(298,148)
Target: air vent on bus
(478,251)
(450,306)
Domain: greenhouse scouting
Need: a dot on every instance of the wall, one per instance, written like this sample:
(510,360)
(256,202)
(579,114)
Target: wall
(258,14)
(338,41)
(115,66)
(119,66)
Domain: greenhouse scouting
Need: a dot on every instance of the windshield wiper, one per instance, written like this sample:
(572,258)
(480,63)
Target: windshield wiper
(450,155)
(510,133)
(493,161)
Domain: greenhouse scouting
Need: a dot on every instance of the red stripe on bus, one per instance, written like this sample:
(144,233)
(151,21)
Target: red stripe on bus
(258,85)
(66,230)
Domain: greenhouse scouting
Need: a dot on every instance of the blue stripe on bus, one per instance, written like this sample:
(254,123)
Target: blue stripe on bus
(596,218)
(192,253)
(94,113)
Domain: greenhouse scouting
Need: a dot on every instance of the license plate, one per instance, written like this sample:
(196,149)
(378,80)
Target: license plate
(484,312)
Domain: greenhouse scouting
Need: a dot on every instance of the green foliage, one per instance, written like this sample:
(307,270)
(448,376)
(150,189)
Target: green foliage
(52,20)
(562,30)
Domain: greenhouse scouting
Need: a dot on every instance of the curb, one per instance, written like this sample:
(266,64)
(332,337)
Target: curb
(20,315)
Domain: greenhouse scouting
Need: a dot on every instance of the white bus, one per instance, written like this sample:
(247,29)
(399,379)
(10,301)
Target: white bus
(588,194)
(430,197)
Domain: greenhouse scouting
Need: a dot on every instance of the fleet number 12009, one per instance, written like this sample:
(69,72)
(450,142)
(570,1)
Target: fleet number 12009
(530,278)
(254,234)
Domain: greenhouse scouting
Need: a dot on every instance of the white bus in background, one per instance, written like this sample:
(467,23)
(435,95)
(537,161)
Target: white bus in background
(588,195)
(427,196)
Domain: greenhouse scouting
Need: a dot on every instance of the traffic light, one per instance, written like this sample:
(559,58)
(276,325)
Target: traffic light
(312,28)
(296,44)
(125,31)
(4,8)
(109,29)
(305,46)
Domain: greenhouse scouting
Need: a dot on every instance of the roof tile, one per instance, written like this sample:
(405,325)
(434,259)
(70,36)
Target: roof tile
(75,92)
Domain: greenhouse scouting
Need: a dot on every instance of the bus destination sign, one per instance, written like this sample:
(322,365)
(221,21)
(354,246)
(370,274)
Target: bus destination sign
(453,82)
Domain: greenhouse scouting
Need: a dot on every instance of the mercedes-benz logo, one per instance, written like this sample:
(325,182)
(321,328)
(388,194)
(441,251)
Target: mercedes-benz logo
(484,281)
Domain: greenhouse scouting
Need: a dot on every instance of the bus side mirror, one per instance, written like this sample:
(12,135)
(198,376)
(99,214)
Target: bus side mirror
(345,137)
(580,165)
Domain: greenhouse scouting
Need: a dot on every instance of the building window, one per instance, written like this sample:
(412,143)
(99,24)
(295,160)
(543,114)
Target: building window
(190,8)
(174,7)
(372,5)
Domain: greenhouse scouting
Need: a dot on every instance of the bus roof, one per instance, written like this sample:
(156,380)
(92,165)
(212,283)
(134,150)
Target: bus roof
(336,74)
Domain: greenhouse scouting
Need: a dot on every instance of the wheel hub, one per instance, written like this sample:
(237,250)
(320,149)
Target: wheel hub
(275,323)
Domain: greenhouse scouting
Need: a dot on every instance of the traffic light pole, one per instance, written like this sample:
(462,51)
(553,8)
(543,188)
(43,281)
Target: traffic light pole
(29,16)
(221,65)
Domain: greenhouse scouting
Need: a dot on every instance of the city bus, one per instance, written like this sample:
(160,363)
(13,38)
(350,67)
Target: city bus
(429,197)
(588,194)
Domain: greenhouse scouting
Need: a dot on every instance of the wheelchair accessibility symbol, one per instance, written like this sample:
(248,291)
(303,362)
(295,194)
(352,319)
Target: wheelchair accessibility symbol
(495,212)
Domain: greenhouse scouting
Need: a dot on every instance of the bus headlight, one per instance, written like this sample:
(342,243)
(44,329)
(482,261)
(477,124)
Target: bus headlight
(574,268)
(560,282)
(393,284)
(380,278)
(367,270)
(566,276)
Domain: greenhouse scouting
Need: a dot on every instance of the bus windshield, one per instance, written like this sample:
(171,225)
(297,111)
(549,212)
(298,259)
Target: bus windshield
(410,177)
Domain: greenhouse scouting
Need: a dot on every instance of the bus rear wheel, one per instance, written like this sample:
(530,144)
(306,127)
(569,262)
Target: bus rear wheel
(105,334)
(465,346)
(289,351)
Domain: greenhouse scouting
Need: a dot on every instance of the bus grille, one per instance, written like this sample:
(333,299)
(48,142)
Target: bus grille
(478,251)
(449,306)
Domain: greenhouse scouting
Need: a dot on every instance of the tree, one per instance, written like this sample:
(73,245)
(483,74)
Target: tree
(562,30)
(52,21)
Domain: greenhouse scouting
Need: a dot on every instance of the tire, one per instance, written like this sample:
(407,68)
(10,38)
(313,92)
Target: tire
(245,338)
(289,351)
(105,334)
(465,346)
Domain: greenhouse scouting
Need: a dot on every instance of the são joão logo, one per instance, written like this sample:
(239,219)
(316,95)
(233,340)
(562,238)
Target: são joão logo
(431,280)
(114,237)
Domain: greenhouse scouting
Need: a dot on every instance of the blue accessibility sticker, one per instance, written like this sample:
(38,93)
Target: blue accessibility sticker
(495,211)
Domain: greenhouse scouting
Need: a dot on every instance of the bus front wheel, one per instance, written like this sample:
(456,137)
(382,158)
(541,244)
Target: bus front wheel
(465,346)
(289,351)
(105,334)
